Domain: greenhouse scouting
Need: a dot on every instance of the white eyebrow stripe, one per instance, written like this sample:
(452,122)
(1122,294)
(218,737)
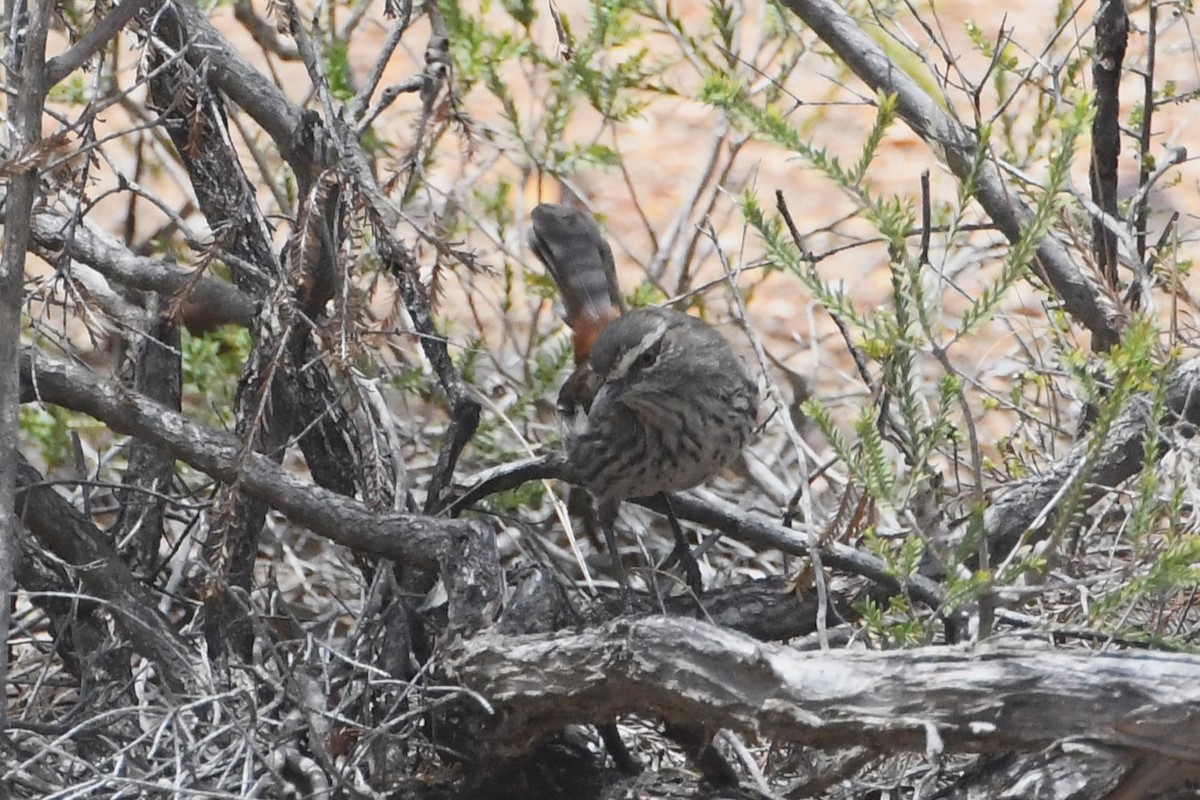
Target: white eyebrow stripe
(653,337)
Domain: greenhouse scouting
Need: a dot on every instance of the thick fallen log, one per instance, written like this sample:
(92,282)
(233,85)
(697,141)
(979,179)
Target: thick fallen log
(982,699)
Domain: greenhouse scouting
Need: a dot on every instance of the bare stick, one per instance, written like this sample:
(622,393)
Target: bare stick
(28,47)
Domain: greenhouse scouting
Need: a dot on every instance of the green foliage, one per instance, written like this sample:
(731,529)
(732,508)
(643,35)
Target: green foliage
(523,11)
(541,285)
(1163,538)
(730,94)
(897,626)
(72,91)
(873,468)
(825,422)
(50,428)
(337,69)
(943,369)
(920,415)
(469,357)
(519,500)
(212,366)
(781,253)
(961,592)
(496,202)
(549,365)
(1046,206)
(645,294)
(586,73)
(409,379)
(613,88)
(1132,367)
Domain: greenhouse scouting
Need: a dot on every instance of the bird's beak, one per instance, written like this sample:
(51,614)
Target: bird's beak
(608,393)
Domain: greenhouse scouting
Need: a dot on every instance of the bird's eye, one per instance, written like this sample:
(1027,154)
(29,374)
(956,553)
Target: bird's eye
(647,356)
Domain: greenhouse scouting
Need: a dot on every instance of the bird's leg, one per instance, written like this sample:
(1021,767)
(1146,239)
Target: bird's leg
(697,743)
(580,506)
(625,761)
(607,512)
(682,552)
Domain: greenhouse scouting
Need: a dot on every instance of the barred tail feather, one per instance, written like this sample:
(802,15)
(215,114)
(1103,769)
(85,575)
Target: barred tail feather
(570,244)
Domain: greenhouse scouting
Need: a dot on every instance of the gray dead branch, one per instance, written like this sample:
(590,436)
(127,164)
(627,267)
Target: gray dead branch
(1101,710)
(463,553)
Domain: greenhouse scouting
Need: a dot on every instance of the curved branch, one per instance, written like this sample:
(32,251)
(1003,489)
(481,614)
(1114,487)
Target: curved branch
(725,517)
(220,302)
(97,37)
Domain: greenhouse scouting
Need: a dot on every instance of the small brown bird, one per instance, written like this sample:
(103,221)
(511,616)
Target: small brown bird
(658,401)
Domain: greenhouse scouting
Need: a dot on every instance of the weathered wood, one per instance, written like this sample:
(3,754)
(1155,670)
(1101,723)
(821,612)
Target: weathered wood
(464,553)
(971,700)
(72,537)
